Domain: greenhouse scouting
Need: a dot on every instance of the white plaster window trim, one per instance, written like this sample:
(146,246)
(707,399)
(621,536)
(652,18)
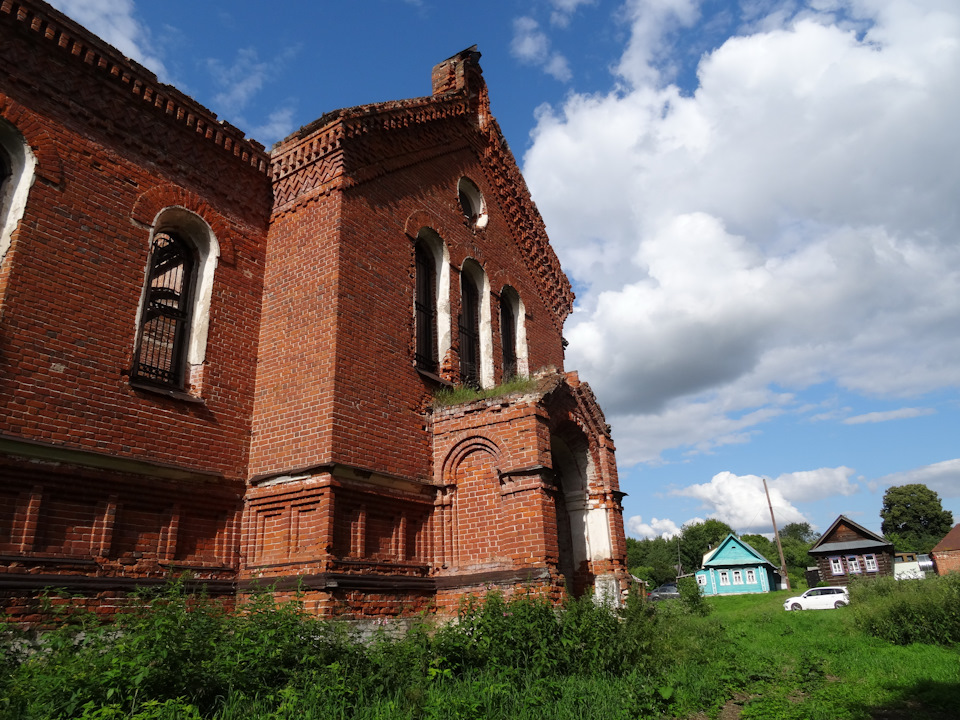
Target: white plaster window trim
(194,230)
(476,274)
(437,248)
(13,197)
(468,188)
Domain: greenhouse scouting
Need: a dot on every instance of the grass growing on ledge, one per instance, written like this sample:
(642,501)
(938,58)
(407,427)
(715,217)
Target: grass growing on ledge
(447,396)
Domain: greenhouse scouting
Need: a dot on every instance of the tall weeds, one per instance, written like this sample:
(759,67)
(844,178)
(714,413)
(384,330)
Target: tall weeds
(183,656)
(909,611)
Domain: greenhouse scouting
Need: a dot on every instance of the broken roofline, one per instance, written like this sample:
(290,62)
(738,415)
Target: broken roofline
(459,91)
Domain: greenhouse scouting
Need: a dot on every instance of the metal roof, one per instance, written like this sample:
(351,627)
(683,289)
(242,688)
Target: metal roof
(839,547)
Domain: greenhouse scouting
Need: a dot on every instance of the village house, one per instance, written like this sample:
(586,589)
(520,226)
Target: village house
(221,360)
(735,568)
(848,550)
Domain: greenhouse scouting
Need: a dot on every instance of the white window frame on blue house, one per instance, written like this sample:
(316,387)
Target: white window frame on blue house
(737,577)
(836,564)
(724,577)
(751,577)
(701,580)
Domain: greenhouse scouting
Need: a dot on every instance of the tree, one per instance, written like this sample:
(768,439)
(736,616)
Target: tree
(762,545)
(913,517)
(799,531)
(652,559)
(697,538)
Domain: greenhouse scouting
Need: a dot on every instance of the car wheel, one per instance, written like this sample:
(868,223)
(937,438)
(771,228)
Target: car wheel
(839,604)
(796,606)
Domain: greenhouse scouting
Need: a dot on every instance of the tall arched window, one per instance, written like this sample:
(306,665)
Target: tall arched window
(17,164)
(431,301)
(513,338)
(476,334)
(174,317)
(469,331)
(161,356)
(508,335)
(425,305)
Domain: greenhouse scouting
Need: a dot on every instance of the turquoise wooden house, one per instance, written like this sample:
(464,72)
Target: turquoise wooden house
(733,568)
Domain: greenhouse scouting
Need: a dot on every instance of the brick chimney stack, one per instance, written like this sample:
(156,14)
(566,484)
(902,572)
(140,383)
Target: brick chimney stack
(460,72)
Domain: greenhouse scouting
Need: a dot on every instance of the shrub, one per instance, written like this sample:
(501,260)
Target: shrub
(908,611)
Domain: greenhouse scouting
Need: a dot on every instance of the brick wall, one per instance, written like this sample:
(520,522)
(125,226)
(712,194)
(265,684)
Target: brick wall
(113,148)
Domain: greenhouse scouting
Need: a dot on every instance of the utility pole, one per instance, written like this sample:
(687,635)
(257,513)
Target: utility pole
(776,534)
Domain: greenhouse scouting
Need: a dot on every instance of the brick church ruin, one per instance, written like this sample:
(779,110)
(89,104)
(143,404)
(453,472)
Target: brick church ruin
(223,360)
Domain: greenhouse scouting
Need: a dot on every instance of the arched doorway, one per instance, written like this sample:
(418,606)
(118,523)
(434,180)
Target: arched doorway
(582,532)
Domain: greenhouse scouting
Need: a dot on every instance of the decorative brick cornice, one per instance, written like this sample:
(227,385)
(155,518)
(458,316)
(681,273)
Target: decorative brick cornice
(310,162)
(73,41)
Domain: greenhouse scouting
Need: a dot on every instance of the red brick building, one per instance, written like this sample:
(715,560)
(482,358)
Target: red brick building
(225,361)
(946,553)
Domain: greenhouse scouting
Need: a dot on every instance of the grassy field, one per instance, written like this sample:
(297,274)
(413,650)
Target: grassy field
(820,664)
(184,658)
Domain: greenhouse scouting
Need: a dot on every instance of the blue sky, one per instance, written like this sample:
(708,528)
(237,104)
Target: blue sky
(756,201)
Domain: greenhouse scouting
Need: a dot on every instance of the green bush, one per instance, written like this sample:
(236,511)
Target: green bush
(909,611)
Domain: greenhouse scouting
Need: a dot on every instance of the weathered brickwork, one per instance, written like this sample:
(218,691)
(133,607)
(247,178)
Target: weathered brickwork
(295,442)
(946,553)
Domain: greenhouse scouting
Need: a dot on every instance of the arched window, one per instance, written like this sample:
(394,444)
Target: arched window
(165,321)
(175,306)
(476,337)
(17,164)
(513,338)
(431,301)
(472,204)
(469,331)
(425,304)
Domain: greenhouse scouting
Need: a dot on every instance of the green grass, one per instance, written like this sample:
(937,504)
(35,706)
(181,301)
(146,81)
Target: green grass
(447,396)
(820,664)
(185,658)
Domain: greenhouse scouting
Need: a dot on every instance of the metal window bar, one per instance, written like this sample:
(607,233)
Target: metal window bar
(162,346)
(470,334)
(425,306)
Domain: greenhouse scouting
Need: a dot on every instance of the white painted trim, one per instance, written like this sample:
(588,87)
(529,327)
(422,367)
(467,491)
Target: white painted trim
(441,258)
(472,269)
(13,197)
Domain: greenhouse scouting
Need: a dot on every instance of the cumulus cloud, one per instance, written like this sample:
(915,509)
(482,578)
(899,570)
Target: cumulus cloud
(740,500)
(878,417)
(791,222)
(942,477)
(532,46)
(653,529)
(115,22)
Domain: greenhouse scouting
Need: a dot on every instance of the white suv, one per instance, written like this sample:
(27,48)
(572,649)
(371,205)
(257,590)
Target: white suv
(820,598)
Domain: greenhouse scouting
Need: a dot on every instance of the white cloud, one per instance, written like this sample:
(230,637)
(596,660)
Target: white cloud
(279,124)
(793,222)
(115,22)
(654,529)
(878,417)
(563,9)
(532,46)
(739,501)
(810,485)
(942,477)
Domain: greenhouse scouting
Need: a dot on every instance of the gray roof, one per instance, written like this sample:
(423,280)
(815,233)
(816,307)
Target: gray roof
(839,547)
